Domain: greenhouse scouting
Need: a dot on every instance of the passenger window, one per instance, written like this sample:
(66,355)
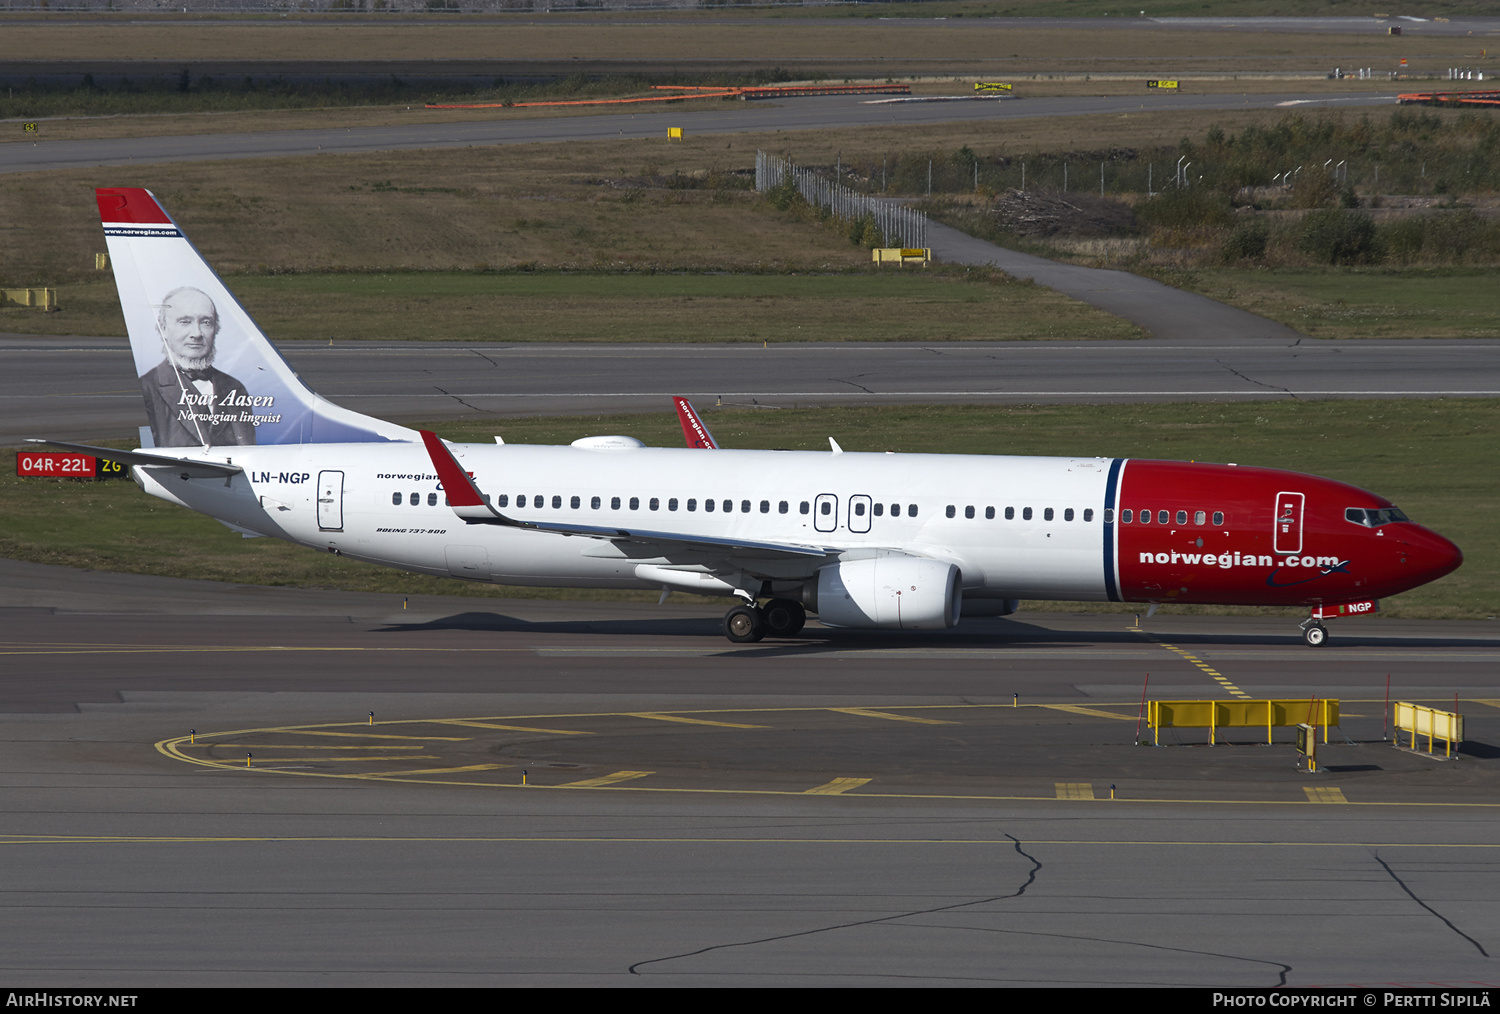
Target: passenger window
(655,504)
(1025,513)
(1125,517)
(1219,519)
(635,503)
(895,510)
(859,510)
(672,504)
(989,513)
(1182,517)
(594,503)
(950,511)
(879,509)
(765,506)
(416,498)
(827,508)
(744,506)
(614,503)
(521,500)
(1162,517)
(396,499)
(503,501)
(1010,513)
(783,507)
(911,510)
(575,503)
(1200,517)
(1145,517)
(728,506)
(969,512)
(1047,514)
(1068,514)
(692,504)
(804,507)
(708,505)
(1088,514)
(557,503)
(432,499)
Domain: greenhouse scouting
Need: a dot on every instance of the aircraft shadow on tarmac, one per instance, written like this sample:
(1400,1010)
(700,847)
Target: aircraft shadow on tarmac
(973,634)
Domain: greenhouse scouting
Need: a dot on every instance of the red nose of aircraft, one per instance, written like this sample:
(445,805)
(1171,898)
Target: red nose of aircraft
(1424,555)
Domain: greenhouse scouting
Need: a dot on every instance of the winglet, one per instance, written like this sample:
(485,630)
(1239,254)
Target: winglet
(693,431)
(463,496)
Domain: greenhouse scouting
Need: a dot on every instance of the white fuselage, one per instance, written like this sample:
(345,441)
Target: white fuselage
(344,498)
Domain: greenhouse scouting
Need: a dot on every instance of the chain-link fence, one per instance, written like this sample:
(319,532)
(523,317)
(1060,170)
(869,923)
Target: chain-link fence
(897,225)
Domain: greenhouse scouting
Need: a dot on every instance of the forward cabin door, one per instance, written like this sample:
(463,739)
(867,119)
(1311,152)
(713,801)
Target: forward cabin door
(1289,510)
(331,501)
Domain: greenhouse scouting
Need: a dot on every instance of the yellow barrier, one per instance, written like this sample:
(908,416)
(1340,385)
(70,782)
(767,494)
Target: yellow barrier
(1447,726)
(44,298)
(901,255)
(1215,715)
(674,133)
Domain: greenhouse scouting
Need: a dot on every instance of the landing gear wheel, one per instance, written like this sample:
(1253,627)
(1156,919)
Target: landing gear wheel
(744,625)
(784,618)
(1316,635)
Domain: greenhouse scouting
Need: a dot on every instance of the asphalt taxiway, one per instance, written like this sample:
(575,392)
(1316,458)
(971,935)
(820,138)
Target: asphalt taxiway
(67,388)
(796,116)
(209,784)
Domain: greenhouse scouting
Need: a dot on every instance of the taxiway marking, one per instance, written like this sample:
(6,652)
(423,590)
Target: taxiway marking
(837,787)
(603,780)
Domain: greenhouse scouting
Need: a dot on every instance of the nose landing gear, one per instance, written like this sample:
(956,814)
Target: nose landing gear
(1314,633)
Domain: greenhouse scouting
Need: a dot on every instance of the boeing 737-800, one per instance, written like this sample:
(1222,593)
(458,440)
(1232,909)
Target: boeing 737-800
(896,541)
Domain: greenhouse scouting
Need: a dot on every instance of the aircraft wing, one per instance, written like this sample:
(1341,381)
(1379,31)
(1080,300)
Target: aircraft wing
(470,504)
(188,465)
(693,431)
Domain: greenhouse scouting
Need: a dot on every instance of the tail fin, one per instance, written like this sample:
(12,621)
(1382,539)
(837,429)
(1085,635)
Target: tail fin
(208,374)
(693,431)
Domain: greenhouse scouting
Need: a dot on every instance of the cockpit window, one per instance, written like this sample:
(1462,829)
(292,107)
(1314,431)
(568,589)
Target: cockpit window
(1370,517)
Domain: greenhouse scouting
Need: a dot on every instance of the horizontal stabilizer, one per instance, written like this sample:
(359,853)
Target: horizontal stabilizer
(190,466)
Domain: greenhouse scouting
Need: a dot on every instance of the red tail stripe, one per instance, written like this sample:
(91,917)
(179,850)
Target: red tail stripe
(131,205)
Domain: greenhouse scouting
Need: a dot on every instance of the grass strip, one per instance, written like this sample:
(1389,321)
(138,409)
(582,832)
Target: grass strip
(897,305)
(1358,302)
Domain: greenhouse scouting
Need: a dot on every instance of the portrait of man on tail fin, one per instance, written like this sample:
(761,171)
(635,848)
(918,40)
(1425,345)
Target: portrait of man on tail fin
(189,403)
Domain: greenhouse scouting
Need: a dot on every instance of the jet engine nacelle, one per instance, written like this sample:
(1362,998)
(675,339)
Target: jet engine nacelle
(900,592)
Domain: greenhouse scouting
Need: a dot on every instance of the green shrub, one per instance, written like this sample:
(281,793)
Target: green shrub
(1338,236)
(1186,208)
(1247,241)
(784,194)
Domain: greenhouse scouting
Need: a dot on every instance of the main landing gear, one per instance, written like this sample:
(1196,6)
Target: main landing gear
(1314,633)
(746,624)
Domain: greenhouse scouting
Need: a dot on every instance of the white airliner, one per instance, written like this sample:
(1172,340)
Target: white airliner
(899,541)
